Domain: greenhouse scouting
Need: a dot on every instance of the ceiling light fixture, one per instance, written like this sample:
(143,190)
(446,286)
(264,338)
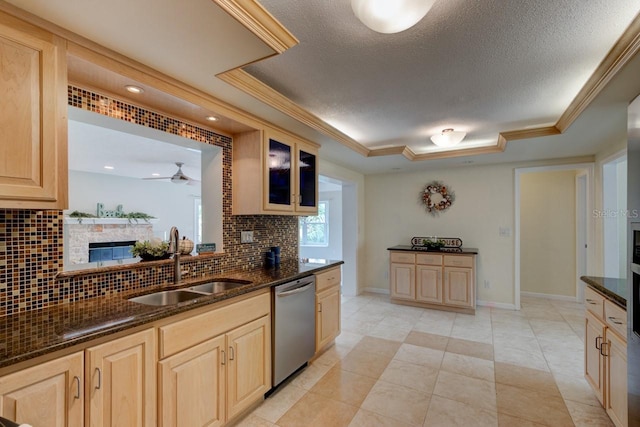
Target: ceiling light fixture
(448,138)
(109,167)
(134,89)
(212,118)
(389,17)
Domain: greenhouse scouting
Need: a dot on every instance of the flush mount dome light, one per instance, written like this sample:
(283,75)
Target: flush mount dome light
(390,16)
(134,89)
(448,138)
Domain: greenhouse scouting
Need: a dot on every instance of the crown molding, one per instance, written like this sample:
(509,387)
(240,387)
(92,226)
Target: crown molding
(620,54)
(260,22)
(245,82)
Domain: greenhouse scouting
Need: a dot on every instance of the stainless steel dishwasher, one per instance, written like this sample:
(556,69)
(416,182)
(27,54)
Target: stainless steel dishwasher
(294,326)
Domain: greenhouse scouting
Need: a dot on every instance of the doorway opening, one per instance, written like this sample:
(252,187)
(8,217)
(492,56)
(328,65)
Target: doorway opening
(553,232)
(614,218)
(332,234)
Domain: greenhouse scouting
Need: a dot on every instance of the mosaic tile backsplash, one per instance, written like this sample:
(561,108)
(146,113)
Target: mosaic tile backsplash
(31,242)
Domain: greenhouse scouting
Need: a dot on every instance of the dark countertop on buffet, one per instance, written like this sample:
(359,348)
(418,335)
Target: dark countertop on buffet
(614,289)
(468,251)
(35,333)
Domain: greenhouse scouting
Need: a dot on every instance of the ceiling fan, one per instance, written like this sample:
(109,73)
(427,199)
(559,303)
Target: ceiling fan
(179,177)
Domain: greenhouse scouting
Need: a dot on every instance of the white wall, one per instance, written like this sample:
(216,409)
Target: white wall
(171,204)
(548,232)
(334,249)
(484,203)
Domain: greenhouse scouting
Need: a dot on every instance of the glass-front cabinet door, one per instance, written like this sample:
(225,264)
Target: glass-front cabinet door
(279,181)
(307,201)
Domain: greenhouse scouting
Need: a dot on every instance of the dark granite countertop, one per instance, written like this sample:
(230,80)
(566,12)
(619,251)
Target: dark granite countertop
(31,334)
(614,289)
(468,251)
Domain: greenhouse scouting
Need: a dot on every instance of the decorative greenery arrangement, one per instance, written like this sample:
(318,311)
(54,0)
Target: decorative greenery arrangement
(437,197)
(131,216)
(149,250)
(433,243)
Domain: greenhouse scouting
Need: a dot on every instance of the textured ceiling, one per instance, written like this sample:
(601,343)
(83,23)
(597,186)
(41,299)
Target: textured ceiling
(483,67)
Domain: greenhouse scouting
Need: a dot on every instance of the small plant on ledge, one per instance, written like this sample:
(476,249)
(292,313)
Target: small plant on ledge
(81,215)
(151,250)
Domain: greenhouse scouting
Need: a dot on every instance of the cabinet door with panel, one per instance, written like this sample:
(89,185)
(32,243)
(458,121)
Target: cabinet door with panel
(279,176)
(192,385)
(616,378)
(306,196)
(33,170)
(429,283)
(248,364)
(327,316)
(50,394)
(593,361)
(459,287)
(403,279)
(121,382)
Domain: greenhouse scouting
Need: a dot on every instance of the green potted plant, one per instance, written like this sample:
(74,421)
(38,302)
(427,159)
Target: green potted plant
(151,250)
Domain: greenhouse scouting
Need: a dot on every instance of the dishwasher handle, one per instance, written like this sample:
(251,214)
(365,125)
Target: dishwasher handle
(294,291)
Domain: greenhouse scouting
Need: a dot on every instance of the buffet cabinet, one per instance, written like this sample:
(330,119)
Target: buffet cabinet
(433,280)
(274,173)
(327,307)
(200,368)
(33,124)
(606,354)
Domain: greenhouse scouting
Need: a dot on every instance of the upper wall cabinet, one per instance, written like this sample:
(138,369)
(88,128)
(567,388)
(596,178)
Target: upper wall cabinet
(274,174)
(33,123)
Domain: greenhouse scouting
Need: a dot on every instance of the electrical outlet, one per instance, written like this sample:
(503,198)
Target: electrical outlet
(504,232)
(487,284)
(246,237)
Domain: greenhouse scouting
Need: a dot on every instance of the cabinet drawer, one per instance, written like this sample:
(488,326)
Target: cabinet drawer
(594,302)
(328,278)
(429,259)
(616,318)
(458,261)
(403,257)
(186,333)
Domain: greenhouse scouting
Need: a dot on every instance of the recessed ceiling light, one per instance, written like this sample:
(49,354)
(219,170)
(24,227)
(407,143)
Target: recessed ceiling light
(212,118)
(155,174)
(134,89)
(109,167)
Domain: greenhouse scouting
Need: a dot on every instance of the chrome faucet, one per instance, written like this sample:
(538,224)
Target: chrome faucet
(174,248)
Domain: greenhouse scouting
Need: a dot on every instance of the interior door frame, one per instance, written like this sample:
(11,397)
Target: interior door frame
(581,168)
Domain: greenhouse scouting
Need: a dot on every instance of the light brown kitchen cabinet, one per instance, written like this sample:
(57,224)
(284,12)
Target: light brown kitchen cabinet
(215,364)
(248,368)
(274,173)
(50,394)
(433,280)
(191,386)
(606,354)
(33,124)
(328,302)
(121,382)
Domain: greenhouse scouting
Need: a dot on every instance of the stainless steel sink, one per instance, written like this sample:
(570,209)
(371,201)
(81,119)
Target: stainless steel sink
(219,286)
(167,297)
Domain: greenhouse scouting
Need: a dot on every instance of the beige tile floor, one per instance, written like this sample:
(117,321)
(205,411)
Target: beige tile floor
(404,366)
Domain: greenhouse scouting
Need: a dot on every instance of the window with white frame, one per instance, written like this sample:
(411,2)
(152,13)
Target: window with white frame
(314,230)
(197,219)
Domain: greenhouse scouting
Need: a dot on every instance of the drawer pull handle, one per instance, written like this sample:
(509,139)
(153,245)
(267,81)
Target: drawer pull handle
(613,319)
(231,353)
(99,385)
(590,301)
(77,380)
(602,349)
(319,307)
(598,346)
(224,357)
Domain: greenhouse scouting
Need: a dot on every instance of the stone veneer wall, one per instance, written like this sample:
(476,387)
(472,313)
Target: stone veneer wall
(31,242)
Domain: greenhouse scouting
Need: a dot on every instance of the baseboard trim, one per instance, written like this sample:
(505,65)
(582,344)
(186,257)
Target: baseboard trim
(501,305)
(549,296)
(376,291)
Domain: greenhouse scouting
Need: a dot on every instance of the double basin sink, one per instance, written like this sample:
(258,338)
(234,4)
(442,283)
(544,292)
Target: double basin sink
(192,293)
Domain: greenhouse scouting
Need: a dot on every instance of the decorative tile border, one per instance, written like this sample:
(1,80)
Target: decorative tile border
(31,242)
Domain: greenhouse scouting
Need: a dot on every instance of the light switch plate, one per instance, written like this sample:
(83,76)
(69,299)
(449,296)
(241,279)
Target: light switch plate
(246,237)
